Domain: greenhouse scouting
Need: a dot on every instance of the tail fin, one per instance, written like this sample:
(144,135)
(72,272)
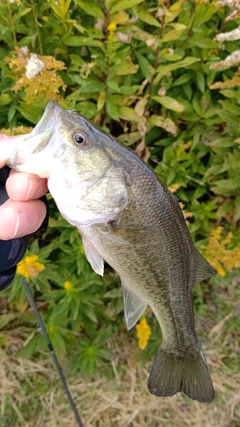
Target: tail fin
(172,373)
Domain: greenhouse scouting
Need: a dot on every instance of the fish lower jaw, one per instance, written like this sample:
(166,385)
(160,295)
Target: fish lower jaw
(21,166)
(8,154)
(80,217)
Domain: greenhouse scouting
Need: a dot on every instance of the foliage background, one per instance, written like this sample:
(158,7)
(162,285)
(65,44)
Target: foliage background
(147,72)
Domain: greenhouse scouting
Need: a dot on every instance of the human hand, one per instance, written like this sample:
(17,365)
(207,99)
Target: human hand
(23,213)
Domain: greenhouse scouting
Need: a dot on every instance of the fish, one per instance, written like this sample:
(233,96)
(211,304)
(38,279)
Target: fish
(128,218)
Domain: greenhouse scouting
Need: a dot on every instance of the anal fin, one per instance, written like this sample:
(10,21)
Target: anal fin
(203,268)
(134,306)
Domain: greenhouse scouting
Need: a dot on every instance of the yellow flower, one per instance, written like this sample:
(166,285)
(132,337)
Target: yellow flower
(19,130)
(185,214)
(143,333)
(219,256)
(29,266)
(183,148)
(216,234)
(174,187)
(40,81)
(68,286)
(112,28)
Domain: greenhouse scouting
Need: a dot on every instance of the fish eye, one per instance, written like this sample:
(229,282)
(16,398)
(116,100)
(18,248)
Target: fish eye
(80,138)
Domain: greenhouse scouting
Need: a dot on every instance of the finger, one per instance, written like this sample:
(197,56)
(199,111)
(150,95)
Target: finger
(20,218)
(22,186)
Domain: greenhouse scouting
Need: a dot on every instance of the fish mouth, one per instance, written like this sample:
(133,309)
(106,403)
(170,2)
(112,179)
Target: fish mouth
(33,151)
(41,134)
(48,119)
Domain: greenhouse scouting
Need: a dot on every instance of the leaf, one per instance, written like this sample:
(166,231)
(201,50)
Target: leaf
(21,13)
(93,86)
(128,113)
(228,106)
(95,33)
(170,56)
(225,208)
(199,192)
(30,112)
(141,35)
(90,312)
(35,344)
(163,122)
(124,4)
(200,82)
(86,108)
(174,11)
(121,18)
(184,78)
(223,142)
(165,69)
(5,99)
(169,103)
(11,112)
(141,105)
(113,85)
(101,100)
(145,66)
(79,27)
(61,7)
(129,138)
(230,119)
(178,26)
(237,208)
(145,16)
(129,90)
(28,40)
(203,14)
(203,42)
(232,94)
(227,187)
(112,109)
(5,319)
(127,68)
(172,35)
(114,293)
(234,161)
(213,170)
(90,8)
(82,41)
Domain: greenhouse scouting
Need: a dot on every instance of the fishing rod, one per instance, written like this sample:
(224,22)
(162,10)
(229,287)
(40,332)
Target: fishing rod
(52,352)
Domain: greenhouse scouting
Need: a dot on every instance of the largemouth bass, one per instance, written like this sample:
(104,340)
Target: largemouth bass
(128,218)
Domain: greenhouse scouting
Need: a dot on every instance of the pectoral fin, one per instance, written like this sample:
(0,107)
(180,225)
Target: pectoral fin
(134,306)
(93,256)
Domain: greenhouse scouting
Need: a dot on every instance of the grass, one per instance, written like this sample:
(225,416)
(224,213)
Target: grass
(31,395)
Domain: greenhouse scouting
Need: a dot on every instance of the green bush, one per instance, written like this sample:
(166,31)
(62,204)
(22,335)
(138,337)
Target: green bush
(142,72)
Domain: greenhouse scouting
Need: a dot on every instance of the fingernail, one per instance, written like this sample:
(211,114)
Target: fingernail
(21,224)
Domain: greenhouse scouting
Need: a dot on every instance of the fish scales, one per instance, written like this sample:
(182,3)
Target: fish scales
(151,226)
(128,218)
